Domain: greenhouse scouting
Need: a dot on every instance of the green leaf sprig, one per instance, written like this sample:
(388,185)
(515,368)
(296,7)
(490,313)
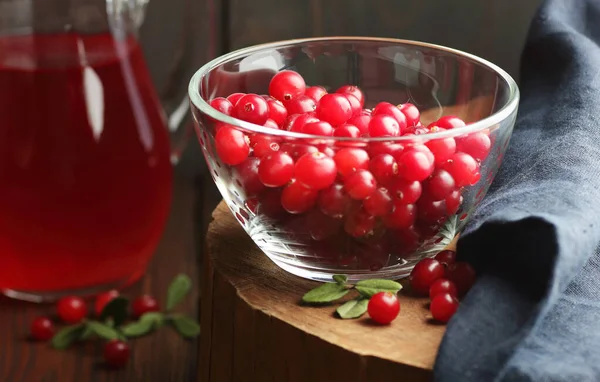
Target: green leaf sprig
(355,308)
(112,321)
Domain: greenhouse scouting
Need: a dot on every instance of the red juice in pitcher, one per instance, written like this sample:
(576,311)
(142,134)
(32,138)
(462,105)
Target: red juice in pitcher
(85,172)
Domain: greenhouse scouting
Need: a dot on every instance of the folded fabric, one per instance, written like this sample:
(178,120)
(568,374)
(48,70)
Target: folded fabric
(534,314)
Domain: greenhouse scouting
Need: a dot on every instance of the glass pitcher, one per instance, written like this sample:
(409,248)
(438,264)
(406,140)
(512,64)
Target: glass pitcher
(85,154)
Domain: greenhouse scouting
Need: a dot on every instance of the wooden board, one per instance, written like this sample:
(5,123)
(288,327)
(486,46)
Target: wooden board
(254,328)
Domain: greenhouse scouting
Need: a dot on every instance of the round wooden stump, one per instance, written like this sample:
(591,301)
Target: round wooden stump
(255,329)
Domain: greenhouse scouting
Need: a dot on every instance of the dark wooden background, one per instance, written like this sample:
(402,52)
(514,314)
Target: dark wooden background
(178,36)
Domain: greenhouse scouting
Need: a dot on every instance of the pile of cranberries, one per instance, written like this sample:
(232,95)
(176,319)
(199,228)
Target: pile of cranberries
(73,310)
(358,189)
(444,280)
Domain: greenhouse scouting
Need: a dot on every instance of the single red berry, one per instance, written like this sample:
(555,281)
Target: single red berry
(232,145)
(359,223)
(405,191)
(462,275)
(144,304)
(383,125)
(379,203)
(360,184)
(246,176)
(333,201)
(316,171)
(384,168)
(448,122)
(402,217)
(116,353)
(235,97)
(297,198)
(441,286)
(42,329)
(334,108)
(463,168)
(71,309)
(346,130)
(414,165)
(424,274)
(350,159)
(300,105)
(222,104)
(317,128)
(386,108)
(354,104)
(296,122)
(276,169)
(298,150)
(432,211)
(442,149)
(103,299)
(411,112)
(286,85)
(251,108)
(277,112)
(263,145)
(424,149)
(439,185)
(453,202)
(315,92)
(361,121)
(446,257)
(354,91)
(383,307)
(443,306)
(477,145)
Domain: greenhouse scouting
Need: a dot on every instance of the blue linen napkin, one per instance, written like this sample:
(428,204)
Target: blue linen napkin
(534,314)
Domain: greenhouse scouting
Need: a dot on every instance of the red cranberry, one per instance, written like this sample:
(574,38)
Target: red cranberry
(297,150)
(316,171)
(103,299)
(287,85)
(442,149)
(317,128)
(424,149)
(411,112)
(379,203)
(354,91)
(359,223)
(296,122)
(246,176)
(463,168)
(406,192)
(431,211)
(263,145)
(386,108)
(315,92)
(347,131)
(42,329)
(71,309)
(354,104)
(116,353)
(402,216)
(378,148)
(441,286)
(271,124)
(144,304)
(462,275)
(443,306)
(453,202)
(234,98)
(360,184)
(296,198)
(439,185)
(424,274)
(383,307)
(276,169)
(383,125)
(222,104)
(349,159)
(446,257)
(334,108)
(361,121)
(448,122)
(277,112)
(477,145)
(232,145)
(384,168)
(251,108)
(333,201)
(414,165)
(300,105)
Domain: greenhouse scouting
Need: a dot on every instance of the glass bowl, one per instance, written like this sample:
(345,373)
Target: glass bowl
(315,232)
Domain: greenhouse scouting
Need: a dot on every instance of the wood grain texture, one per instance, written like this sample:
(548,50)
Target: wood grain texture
(163,356)
(254,328)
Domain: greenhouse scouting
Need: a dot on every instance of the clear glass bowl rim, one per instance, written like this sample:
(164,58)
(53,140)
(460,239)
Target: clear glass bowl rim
(196,99)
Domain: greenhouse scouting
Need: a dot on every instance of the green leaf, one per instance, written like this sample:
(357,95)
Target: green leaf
(102,330)
(340,279)
(327,292)
(353,308)
(187,327)
(370,287)
(115,309)
(65,337)
(146,324)
(177,290)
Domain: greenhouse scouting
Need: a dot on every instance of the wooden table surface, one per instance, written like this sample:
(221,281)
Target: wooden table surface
(162,356)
